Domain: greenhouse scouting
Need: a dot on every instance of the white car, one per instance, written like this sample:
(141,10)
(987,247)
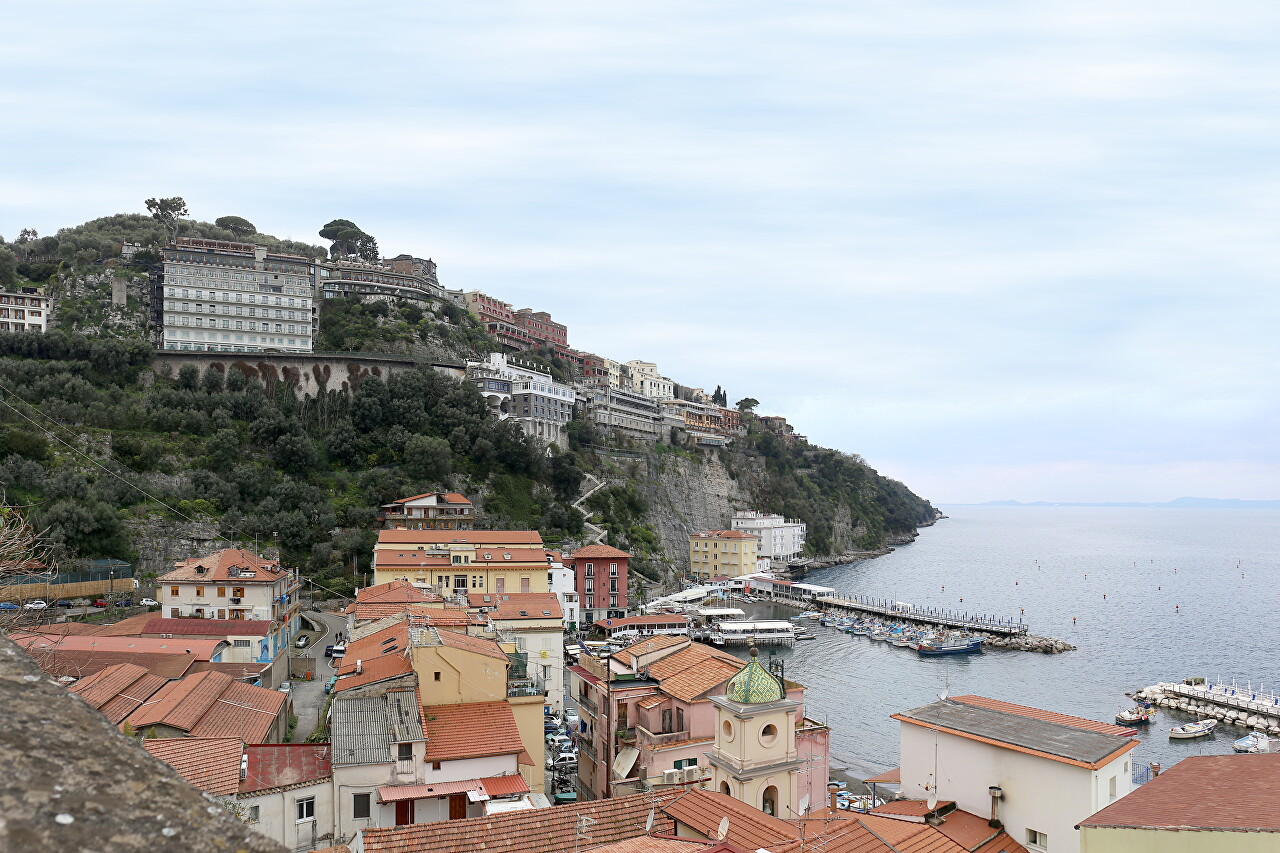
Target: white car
(36,605)
(570,716)
(285,687)
(149,602)
(562,760)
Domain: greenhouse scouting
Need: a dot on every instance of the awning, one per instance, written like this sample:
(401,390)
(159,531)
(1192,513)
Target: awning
(493,786)
(624,762)
(888,777)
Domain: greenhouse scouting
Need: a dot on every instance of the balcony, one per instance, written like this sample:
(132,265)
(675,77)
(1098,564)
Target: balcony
(652,739)
(587,704)
(587,748)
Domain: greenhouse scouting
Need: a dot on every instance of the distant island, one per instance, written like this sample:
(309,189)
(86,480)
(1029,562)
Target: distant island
(1180,503)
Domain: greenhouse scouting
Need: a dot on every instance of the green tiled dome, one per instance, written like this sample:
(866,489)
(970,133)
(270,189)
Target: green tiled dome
(753,685)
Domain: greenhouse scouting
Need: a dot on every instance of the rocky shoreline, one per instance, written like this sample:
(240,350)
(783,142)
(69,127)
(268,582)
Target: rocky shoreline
(1028,643)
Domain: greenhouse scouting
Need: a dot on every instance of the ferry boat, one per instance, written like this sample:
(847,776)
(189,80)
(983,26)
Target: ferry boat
(1191,730)
(1253,742)
(767,633)
(949,646)
(1135,716)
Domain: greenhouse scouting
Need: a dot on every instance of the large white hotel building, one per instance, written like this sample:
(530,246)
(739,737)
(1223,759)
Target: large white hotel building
(235,297)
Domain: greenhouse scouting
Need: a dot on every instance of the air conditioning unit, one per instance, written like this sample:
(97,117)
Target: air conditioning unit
(672,777)
(692,774)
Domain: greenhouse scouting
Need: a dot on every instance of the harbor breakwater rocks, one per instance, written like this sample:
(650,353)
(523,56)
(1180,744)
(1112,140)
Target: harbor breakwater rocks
(1028,643)
(1167,695)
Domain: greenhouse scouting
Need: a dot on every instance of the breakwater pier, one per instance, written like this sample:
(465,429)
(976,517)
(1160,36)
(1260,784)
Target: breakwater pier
(1235,705)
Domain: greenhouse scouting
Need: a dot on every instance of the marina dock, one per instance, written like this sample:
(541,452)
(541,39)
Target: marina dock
(933,616)
(1233,704)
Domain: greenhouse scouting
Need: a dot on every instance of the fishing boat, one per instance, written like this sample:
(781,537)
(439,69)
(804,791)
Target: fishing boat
(950,646)
(1191,730)
(1253,742)
(1135,716)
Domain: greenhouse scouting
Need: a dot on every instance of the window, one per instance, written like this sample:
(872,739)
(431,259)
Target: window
(436,676)
(359,805)
(199,592)
(524,585)
(435,765)
(613,570)
(222,592)
(404,752)
(681,763)
(1112,787)
(237,592)
(305,808)
(241,644)
(1036,838)
(173,590)
(255,812)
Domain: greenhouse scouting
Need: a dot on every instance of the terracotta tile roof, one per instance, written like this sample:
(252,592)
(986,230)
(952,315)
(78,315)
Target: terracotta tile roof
(212,704)
(408,560)
(447,497)
(372,671)
(491,555)
(79,629)
(692,672)
(218,567)
(386,638)
(444,617)
(652,701)
(478,645)
(644,647)
(133,626)
(396,591)
(1049,716)
(748,827)
(105,684)
(494,786)
(910,808)
(279,765)
(245,671)
(207,627)
(210,764)
(202,649)
(1234,793)
(469,537)
(337,848)
(892,777)
(655,619)
(509,606)
(552,830)
(598,551)
(473,730)
(78,664)
(649,844)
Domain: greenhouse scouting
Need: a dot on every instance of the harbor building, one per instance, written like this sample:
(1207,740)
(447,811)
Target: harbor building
(781,539)
(27,311)
(731,553)
(1039,773)
(223,296)
(1203,804)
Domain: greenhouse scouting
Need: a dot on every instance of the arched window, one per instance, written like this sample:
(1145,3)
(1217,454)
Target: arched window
(724,789)
(769,802)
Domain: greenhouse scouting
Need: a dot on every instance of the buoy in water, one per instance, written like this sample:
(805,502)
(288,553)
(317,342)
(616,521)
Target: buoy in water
(1104,596)
(1073,620)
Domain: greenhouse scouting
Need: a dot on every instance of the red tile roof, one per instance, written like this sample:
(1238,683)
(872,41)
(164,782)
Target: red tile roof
(447,497)
(508,605)
(207,627)
(469,537)
(212,704)
(647,645)
(396,591)
(891,777)
(1048,716)
(598,551)
(473,730)
(279,765)
(910,808)
(494,786)
(1233,793)
(118,690)
(209,764)
(218,567)
(478,645)
(202,649)
(444,617)
(552,830)
(749,828)
(372,671)
(62,663)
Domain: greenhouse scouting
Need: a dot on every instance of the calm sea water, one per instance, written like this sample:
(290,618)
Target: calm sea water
(1155,594)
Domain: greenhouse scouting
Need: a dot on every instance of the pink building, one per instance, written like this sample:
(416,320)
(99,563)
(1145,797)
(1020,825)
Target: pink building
(648,722)
(600,578)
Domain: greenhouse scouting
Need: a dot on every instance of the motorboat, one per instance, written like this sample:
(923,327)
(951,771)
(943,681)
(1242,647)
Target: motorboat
(1253,742)
(1138,716)
(1191,730)
(949,646)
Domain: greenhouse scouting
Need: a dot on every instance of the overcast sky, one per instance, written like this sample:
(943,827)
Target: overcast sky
(1000,249)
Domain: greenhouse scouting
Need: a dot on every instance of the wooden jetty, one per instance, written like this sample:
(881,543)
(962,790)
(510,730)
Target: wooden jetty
(938,616)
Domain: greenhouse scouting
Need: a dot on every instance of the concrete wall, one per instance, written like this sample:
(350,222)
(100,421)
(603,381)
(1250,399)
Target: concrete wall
(1039,793)
(277,815)
(308,373)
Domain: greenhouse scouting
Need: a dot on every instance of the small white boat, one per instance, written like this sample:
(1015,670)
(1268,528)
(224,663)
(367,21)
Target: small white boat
(1135,716)
(1253,742)
(1191,730)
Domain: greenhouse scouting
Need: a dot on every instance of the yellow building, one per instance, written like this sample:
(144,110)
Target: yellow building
(463,561)
(731,553)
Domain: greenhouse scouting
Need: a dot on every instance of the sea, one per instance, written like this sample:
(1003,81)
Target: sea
(1145,594)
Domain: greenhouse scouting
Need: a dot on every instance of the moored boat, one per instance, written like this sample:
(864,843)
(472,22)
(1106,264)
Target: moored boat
(1253,742)
(950,646)
(1191,730)
(1135,716)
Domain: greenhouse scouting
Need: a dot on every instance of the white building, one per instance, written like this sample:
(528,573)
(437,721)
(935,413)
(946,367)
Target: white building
(781,539)
(541,405)
(560,580)
(1041,772)
(235,297)
(646,380)
(24,312)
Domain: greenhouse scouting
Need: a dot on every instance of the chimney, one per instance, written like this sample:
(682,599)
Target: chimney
(996,793)
(1155,769)
(359,667)
(832,788)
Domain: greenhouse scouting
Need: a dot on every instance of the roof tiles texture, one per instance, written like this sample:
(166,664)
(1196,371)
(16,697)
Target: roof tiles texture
(518,605)
(472,730)
(1049,716)
(1239,793)
(80,663)
(220,565)
(396,591)
(598,551)
(212,704)
(468,537)
(210,764)
(279,765)
(476,645)
(207,627)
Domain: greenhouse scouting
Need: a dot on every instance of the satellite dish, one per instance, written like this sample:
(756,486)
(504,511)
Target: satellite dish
(804,804)
(648,824)
(933,801)
(942,695)
(722,831)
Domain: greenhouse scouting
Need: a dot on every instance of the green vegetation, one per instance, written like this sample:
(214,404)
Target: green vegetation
(349,325)
(250,457)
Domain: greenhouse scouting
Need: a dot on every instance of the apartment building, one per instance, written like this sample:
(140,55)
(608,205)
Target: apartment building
(461,562)
(562,582)
(430,511)
(731,553)
(524,393)
(622,411)
(601,577)
(781,539)
(403,278)
(522,329)
(234,297)
(535,624)
(24,312)
(645,379)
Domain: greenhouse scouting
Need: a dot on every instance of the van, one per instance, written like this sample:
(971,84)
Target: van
(339,650)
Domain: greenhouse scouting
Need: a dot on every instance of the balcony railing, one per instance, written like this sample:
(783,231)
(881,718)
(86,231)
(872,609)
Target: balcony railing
(648,738)
(587,704)
(587,748)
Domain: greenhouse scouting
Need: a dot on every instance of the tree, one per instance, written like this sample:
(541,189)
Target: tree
(8,266)
(427,458)
(169,213)
(746,404)
(237,225)
(349,241)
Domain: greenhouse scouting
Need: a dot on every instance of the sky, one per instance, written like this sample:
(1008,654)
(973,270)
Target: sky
(1001,250)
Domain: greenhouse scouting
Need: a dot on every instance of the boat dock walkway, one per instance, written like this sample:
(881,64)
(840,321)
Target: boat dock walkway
(1233,704)
(925,615)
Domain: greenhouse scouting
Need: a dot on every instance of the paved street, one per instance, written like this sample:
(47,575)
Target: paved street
(309,696)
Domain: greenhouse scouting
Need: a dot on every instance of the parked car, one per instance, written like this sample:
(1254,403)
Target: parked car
(570,716)
(62,602)
(559,743)
(562,760)
(339,650)
(38,604)
(149,602)
(300,643)
(102,602)
(285,687)
(8,605)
